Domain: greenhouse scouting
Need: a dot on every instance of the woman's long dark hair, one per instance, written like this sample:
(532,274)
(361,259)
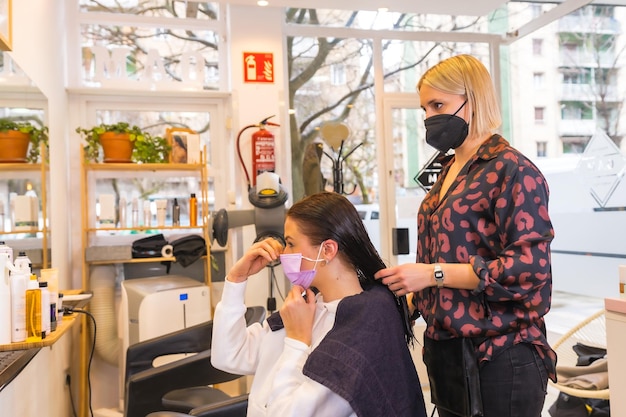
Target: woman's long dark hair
(327,215)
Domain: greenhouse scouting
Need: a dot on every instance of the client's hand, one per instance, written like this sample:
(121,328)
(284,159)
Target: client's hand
(298,313)
(255,259)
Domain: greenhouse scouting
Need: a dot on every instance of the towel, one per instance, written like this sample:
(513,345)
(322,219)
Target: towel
(591,377)
(365,359)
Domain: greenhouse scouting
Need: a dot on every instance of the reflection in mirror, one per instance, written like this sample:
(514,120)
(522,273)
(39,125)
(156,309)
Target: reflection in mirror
(23,180)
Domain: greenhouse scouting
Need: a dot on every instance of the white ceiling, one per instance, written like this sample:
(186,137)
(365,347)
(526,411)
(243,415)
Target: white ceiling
(448,7)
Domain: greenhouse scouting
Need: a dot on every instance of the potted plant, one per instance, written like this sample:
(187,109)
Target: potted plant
(20,141)
(121,142)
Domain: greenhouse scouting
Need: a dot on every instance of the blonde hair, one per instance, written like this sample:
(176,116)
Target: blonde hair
(467,76)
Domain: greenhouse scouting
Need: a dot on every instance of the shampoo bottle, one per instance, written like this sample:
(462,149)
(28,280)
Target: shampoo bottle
(33,310)
(19,285)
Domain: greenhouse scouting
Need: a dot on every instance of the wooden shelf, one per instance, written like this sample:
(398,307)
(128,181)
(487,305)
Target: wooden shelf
(142,229)
(21,232)
(20,166)
(132,261)
(142,167)
(94,172)
(62,327)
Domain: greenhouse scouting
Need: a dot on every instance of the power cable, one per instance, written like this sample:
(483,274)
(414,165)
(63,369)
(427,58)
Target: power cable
(69,310)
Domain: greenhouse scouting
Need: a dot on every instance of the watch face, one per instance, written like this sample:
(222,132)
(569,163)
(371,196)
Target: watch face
(438,272)
(438,276)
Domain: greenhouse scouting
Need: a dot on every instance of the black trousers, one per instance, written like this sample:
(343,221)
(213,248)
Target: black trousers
(513,384)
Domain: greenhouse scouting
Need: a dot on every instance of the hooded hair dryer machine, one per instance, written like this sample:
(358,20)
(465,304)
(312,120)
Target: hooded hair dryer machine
(268,216)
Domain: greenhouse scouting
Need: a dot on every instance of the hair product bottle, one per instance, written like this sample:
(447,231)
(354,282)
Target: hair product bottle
(5,300)
(147,214)
(23,263)
(33,309)
(135,213)
(4,248)
(45,309)
(60,308)
(51,276)
(121,213)
(193,210)
(1,216)
(175,213)
(161,211)
(19,285)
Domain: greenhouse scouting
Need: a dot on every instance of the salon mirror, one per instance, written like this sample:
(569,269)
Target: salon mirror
(22,101)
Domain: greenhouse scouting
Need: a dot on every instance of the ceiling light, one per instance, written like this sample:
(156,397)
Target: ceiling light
(262,3)
(383,9)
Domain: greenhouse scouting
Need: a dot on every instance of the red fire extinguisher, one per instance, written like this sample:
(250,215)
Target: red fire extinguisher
(263,147)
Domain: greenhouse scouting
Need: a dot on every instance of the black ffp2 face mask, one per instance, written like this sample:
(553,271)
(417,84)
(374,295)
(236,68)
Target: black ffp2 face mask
(446,131)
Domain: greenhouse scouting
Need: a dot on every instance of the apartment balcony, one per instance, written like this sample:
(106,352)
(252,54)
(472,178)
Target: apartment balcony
(588,92)
(586,58)
(589,24)
(576,127)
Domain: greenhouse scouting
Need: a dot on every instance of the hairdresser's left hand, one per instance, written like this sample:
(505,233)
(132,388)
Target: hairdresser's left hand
(298,313)
(406,278)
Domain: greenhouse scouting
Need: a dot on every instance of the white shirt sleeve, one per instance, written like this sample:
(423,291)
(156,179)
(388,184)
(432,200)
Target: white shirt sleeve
(234,347)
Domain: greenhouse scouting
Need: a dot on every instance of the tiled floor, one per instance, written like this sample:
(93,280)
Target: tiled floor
(567,311)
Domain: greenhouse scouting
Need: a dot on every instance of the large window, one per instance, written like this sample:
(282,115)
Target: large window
(333,79)
(161,45)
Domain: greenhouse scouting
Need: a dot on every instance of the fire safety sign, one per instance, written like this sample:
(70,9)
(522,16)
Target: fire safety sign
(258,67)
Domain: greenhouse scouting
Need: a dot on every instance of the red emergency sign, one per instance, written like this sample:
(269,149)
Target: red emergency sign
(258,67)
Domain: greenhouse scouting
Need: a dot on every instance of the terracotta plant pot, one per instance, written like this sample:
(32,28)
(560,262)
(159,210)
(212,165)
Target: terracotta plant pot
(117,147)
(13,146)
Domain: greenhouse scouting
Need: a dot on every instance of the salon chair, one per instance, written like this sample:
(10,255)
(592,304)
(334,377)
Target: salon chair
(233,407)
(183,384)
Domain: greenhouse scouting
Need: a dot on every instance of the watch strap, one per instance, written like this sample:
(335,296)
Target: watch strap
(439,276)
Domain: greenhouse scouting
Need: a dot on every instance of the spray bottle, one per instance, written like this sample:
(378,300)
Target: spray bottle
(23,263)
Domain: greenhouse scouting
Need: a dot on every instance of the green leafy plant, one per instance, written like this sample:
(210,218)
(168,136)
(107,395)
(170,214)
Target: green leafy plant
(37,136)
(146,148)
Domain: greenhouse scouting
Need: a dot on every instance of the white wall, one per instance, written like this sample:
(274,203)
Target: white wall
(39,33)
(254,102)
(40,389)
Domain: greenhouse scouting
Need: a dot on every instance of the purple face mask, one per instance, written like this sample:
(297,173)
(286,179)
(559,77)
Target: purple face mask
(291,266)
